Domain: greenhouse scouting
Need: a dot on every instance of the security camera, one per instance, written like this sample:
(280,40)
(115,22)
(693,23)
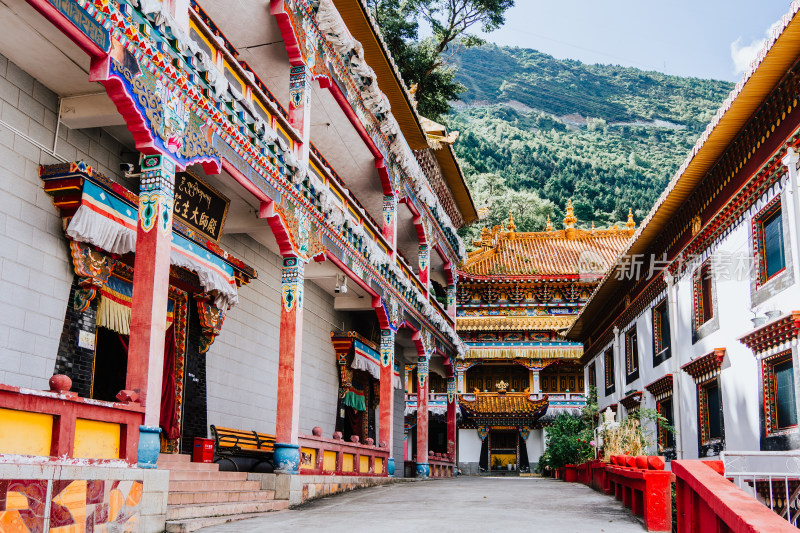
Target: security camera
(129,170)
(341,286)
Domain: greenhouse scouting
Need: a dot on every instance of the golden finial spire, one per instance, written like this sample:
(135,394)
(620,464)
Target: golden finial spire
(630,224)
(592,226)
(549,224)
(511,226)
(570,220)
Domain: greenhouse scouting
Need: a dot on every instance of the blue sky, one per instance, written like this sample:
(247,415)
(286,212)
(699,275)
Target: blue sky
(703,38)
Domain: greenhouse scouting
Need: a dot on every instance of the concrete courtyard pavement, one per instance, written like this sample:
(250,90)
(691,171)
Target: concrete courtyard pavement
(461,505)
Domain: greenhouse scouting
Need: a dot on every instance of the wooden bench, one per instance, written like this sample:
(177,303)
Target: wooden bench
(230,443)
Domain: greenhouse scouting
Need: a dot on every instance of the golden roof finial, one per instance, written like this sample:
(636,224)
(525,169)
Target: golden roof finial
(570,220)
(511,226)
(630,224)
(592,226)
(549,224)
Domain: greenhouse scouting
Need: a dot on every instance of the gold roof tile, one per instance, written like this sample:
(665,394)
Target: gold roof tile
(498,403)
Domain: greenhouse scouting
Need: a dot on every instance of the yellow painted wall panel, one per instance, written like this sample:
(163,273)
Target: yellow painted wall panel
(329,461)
(347,462)
(96,440)
(379,465)
(25,433)
(308,458)
(363,465)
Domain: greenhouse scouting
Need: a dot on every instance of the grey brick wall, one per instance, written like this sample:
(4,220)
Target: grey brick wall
(35,267)
(242,364)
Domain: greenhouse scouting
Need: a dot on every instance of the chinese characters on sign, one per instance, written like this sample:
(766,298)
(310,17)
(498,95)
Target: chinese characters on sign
(722,265)
(199,205)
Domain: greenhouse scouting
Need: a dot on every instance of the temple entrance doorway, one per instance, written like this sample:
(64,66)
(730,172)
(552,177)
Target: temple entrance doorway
(110,364)
(503,445)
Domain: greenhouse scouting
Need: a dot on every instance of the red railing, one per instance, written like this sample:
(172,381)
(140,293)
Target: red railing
(66,408)
(643,486)
(319,455)
(441,465)
(708,502)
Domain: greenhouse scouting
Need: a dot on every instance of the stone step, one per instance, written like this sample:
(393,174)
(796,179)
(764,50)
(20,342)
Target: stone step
(193,524)
(174,458)
(206,475)
(219,496)
(182,512)
(205,486)
(189,467)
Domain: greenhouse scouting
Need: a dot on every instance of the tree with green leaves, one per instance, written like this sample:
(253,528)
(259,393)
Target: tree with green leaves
(426,63)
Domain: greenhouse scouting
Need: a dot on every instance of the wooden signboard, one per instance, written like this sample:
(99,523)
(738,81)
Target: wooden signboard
(199,205)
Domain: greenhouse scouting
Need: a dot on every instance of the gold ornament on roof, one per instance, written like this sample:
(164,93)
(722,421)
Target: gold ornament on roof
(570,219)
(502,386)
(630,224)
(549,224)
(511,226)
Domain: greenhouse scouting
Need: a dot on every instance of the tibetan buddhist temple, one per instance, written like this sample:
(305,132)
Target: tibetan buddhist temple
(517,293)
(206,201)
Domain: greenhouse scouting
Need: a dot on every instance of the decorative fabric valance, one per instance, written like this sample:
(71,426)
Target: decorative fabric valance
(432,409)
(355,399)
(511,352)
(110,224)
(114,307)
(368,360)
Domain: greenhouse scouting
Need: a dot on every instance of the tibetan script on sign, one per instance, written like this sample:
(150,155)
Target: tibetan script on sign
(199,205)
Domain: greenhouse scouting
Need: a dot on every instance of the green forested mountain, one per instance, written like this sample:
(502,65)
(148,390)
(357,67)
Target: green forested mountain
(537,131)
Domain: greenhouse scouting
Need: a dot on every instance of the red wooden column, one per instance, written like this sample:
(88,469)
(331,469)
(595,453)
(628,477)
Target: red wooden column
(451,417)
(386,420)
(451,302)
(424,266)
(389,229)
(149,300)
(423,468)
(300,109)
(287,421)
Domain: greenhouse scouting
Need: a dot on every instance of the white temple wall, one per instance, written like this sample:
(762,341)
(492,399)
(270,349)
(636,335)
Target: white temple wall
(736,301)
(35,265)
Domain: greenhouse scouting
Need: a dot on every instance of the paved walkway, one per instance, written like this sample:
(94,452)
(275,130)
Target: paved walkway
(461,505)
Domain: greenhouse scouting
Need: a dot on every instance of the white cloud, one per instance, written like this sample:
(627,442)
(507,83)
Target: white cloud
(743,55)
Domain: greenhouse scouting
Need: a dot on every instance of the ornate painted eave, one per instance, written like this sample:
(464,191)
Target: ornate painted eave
(660,387)
(705,365)
(632,400)
(773,335)
(503,405)
(513,323)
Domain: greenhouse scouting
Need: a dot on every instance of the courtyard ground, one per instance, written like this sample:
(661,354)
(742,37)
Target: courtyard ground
(461,505)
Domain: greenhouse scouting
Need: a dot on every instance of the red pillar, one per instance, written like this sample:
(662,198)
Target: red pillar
(451,302)
(389,229)
(386,421)
(451,418)
(424,265)
(423,468)
(299,108)
(287,421)
(149,300)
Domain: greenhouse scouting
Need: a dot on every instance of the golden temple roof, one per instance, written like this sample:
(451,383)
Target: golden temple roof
(514,323)
(505,252)
(502,403)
